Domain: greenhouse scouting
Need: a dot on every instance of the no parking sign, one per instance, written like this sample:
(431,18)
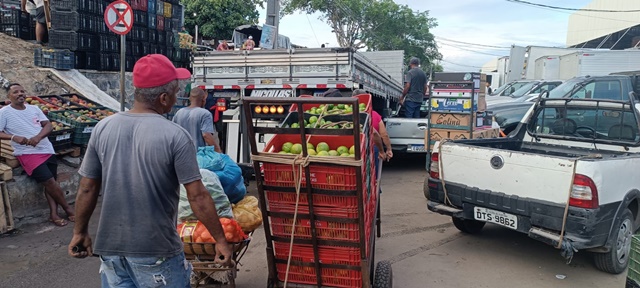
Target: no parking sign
(119,17)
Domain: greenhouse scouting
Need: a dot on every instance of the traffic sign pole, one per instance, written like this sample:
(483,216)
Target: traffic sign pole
(122,64)
(119,18)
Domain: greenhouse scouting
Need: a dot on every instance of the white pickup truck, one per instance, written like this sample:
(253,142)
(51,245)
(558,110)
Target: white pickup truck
(567,176)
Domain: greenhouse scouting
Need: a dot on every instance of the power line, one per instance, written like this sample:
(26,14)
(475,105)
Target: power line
(314,32)
(570,9)
(582,15)
(474,44)
(463,65)
(474,51)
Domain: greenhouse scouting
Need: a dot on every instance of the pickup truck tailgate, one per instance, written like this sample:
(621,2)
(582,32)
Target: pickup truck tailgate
(521,174)
(407,133)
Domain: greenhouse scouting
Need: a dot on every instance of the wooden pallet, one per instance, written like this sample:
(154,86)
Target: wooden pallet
(73,152)
(6,216)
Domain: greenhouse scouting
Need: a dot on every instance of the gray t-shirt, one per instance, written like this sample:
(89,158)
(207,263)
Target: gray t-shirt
(416,79)
(141,159)
(196,121)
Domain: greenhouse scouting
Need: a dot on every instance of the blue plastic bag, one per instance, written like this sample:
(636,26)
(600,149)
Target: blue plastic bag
(228,172)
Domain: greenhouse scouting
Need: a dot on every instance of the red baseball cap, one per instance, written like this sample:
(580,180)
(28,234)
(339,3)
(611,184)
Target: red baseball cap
(183,74)
(153,70)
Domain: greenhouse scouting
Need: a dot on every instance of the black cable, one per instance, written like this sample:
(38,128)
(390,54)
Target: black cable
(570,9)
(474,44)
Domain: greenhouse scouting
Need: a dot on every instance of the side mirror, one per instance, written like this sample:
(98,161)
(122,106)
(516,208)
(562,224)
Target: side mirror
(544,94)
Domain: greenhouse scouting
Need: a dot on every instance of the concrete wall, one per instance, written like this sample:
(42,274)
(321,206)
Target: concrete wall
(28,202)
(109,82)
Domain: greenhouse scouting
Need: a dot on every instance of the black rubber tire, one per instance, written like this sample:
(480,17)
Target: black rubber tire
(468,226)
(608,262)
(425,189)
(384,275)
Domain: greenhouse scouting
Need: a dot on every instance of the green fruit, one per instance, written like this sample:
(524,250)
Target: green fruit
(327,122)
(296,148)
(345,155)
(307,126)
(310,146)
(313,111)
(343,150)
(335,127)
(313,119)
(286,147)
(311,152)
(322,146)
(362,109)
(282,152)
(362,105)
(340,106)
(323,153)
(330,106)
(295,125)
(352,150)
(307,111)
(333,153)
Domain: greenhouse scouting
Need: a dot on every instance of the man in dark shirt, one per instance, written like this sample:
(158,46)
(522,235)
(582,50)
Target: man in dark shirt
(415,88)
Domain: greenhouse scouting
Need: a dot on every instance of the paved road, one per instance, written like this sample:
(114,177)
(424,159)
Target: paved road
(425,249)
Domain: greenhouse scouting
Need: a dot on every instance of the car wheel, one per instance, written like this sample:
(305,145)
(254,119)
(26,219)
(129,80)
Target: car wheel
(468,226)
(426,188)
(616,260)
(383,275)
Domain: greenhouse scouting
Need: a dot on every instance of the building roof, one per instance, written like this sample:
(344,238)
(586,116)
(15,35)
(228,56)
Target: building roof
(585,26)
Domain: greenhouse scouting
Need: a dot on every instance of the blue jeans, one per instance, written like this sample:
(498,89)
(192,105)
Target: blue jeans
(145,272)
(412,109)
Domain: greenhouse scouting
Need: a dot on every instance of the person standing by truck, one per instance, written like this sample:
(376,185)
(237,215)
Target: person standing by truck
(415,89)
(198,121)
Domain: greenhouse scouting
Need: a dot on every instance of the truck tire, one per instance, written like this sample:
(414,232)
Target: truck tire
(383,275)
(426,188)
(468,226)
(616,260)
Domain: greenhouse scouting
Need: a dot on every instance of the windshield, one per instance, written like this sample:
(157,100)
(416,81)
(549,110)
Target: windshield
(584,120)
(564,88)
(524,90)
(500,89)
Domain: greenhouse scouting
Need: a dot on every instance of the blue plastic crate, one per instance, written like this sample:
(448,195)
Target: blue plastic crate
(54,58)
(151,7)
(152,21)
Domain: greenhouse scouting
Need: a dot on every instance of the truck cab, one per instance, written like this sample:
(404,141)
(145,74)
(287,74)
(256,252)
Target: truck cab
(565,176)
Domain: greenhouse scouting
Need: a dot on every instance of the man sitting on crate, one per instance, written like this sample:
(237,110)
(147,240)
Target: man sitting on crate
(41,21)
(27,128)
(139,159)
(198,121)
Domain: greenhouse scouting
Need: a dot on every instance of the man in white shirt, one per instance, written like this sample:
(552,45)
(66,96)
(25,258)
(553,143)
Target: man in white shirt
(41,21)
(27,128)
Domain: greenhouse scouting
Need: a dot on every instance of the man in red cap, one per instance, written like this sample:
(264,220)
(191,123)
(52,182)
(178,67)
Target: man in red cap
(139,159)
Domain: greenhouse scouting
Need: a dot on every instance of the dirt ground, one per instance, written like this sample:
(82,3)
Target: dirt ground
(16,65)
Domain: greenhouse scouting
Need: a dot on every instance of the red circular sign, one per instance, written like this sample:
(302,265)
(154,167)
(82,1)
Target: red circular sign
(119,17)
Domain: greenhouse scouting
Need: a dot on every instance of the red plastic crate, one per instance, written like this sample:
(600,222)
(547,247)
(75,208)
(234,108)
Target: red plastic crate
(140,5)
(303,208)
(363,98)
(330,277)
(323,176)
(328,254)
(325,230)
(160,23)
(288,198)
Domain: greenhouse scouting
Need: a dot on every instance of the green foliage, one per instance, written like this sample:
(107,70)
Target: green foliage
(376,25)
(218,18)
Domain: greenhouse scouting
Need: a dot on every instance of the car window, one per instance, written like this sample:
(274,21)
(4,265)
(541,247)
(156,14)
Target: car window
(587,122)
(545,87)
(603,89)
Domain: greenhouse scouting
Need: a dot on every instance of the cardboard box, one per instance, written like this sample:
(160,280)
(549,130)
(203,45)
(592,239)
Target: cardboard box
(486,133)
(440,134)
(450,121)
(484,119)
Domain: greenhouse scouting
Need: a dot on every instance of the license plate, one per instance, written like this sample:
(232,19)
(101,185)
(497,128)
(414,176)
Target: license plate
(497,217)
(416,148)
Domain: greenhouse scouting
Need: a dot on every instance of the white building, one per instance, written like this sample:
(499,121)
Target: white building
(605,30)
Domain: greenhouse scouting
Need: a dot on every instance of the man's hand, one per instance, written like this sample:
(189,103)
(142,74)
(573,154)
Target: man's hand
(21,140)
(82,243)
(33,141)
(389,154)
(223,253)
(401,100)
(382,155)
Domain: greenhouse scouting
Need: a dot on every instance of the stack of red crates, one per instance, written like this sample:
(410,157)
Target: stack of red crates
(325,177)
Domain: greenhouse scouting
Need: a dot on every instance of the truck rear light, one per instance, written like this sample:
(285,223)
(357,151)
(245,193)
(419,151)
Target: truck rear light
(434,170)
(221,105)
(584,193)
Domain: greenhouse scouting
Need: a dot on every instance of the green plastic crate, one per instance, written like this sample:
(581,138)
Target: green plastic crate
(633,275)
(81,130)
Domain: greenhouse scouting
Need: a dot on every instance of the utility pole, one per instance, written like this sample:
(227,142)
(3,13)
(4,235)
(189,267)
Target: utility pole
(273,14)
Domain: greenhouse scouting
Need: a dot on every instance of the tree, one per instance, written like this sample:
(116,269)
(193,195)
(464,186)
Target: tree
(218,18)
(375,25)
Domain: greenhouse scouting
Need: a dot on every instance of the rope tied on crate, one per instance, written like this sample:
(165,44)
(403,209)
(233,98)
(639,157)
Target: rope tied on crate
(441,173)
(298,163)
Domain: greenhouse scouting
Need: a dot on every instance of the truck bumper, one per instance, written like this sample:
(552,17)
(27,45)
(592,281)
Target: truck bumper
(585,228)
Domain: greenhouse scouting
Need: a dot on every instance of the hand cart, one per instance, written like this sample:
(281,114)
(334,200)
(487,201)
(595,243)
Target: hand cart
(308,238)
(206,273)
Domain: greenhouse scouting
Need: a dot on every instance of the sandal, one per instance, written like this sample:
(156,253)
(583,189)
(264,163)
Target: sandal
(72,218)
(59,222)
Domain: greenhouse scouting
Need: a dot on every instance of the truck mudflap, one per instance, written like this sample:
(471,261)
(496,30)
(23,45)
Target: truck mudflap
(540,220)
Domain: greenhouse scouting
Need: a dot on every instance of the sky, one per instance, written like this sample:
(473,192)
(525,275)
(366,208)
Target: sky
(487,22)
